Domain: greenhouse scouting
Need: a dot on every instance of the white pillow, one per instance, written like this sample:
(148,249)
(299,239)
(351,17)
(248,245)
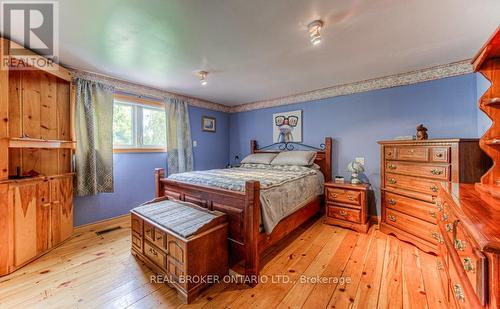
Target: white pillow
(299,157)
(259,158)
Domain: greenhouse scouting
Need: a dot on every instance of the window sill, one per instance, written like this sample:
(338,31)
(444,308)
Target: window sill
(138,150)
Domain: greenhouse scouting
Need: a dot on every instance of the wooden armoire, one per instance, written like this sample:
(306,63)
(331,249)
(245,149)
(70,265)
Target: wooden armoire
(36,149)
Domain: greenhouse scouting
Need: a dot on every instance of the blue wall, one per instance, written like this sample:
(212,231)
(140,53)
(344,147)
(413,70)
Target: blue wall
(356,122)
(134,172)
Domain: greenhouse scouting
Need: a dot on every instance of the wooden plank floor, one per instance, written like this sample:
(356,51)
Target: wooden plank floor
(91,271)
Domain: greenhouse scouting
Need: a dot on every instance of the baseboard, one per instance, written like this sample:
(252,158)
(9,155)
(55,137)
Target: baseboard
(106,222)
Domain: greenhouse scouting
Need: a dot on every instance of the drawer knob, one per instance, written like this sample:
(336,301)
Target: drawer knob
(392,166)
(432,213)
(392,181)
(392,218)
(444,217)
(343,213)
(434,188)
(391,201)
(389,153)
(459,294)
(438,237)
(440,208)
(412,150)
(449,227)
(439,155)
(436,171)
(468,265)
(459,244)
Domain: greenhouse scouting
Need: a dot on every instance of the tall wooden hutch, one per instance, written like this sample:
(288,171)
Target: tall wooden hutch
(469,214)
(36,150)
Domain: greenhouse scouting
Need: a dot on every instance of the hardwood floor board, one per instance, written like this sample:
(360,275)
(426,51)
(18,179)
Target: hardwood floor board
(392,279)
(344,295)
(91,271)
(367,293)
(328,264)
(414,295)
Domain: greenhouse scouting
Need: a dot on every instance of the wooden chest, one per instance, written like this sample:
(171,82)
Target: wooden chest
(411,173)
(186,263)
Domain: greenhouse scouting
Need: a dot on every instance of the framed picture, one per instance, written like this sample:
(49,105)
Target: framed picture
(208,124)
(287,127)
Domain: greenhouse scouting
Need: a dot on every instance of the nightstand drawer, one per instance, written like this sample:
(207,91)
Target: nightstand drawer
(343,196)
(342,213)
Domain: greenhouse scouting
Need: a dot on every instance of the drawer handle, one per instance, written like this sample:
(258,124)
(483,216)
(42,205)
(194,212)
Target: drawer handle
(159,237)
(391,201)
(432,213)
(449,227)
(440,208)
(438,237)
(434,188)
(343,213)
(444,217)
(392,218)
(436,172)
(153,252)
(392,181)
(392,167)
(459,294)
(440,265)
(334,195)
(468,265)
(459,244)
(350,198)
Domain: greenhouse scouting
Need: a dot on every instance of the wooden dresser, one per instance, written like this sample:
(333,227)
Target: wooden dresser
(347,205)
(411,172)
(469,245)
(36,135)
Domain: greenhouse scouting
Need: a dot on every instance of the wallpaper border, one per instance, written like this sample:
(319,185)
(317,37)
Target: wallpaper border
(428,74)
(146,91)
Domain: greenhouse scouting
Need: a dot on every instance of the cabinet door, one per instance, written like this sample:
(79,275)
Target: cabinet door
(61,192)
(6,225)
(25,222)
(43,218)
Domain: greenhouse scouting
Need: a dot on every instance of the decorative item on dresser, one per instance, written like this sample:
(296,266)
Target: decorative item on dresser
(347,205)
(184,242)
(411,172)
(469,215)
(36,138)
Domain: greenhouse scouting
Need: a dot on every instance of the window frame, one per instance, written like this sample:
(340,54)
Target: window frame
(138,104)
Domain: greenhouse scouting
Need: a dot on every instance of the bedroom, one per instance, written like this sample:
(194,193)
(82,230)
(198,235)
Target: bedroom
(249,154)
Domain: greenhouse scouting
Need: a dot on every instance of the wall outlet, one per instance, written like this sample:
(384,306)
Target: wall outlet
(195,143)
(360,160)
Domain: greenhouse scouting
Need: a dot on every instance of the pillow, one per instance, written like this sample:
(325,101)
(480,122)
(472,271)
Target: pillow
(300,157)
(259,158)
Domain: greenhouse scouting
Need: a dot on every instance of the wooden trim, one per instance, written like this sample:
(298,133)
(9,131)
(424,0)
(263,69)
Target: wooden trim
(139,100)
(139,150)
(57,70)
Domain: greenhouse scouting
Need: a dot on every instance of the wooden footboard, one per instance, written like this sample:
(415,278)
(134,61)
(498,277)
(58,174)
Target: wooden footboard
(242,208)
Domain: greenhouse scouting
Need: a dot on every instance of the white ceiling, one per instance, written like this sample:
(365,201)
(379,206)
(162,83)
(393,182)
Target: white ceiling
(259,49)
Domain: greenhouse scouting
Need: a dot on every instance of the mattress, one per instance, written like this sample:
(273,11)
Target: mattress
(284,189)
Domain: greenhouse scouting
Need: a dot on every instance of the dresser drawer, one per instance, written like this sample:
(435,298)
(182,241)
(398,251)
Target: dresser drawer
(149,232)
(420,228)
(136,242)
(412,207)
(418,154)
(160,238)
(155,255)
(440,154)
(343,196)
(342,213)
(439,172)
(411,183)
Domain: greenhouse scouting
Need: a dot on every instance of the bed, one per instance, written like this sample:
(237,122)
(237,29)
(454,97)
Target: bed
(247,239)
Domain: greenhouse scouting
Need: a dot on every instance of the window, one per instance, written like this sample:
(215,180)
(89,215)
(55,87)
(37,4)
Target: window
(138,125)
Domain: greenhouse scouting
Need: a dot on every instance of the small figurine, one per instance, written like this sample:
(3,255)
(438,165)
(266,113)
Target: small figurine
(422,132)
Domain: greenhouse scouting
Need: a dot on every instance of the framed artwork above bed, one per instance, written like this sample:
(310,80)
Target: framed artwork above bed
(287,127)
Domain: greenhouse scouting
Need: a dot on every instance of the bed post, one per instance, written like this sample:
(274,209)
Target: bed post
(252,224)
(159,175)
(328,158)
(253,146)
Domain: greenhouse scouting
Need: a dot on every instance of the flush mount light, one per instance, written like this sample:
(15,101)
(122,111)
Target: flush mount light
(314,31)
(203,77)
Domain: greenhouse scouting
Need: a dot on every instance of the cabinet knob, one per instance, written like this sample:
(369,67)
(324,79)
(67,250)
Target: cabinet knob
(434,188)
(439,155)
(391,201)
(392,181)
(392,218)
(432,213)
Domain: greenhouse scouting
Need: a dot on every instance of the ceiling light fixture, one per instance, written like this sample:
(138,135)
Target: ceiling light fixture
(314,31)
(203,78)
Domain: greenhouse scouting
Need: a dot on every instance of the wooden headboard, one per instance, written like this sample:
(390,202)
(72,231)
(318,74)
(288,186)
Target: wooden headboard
(323,153)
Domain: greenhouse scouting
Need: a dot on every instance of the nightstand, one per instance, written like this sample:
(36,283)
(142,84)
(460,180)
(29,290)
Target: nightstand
(347,205)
